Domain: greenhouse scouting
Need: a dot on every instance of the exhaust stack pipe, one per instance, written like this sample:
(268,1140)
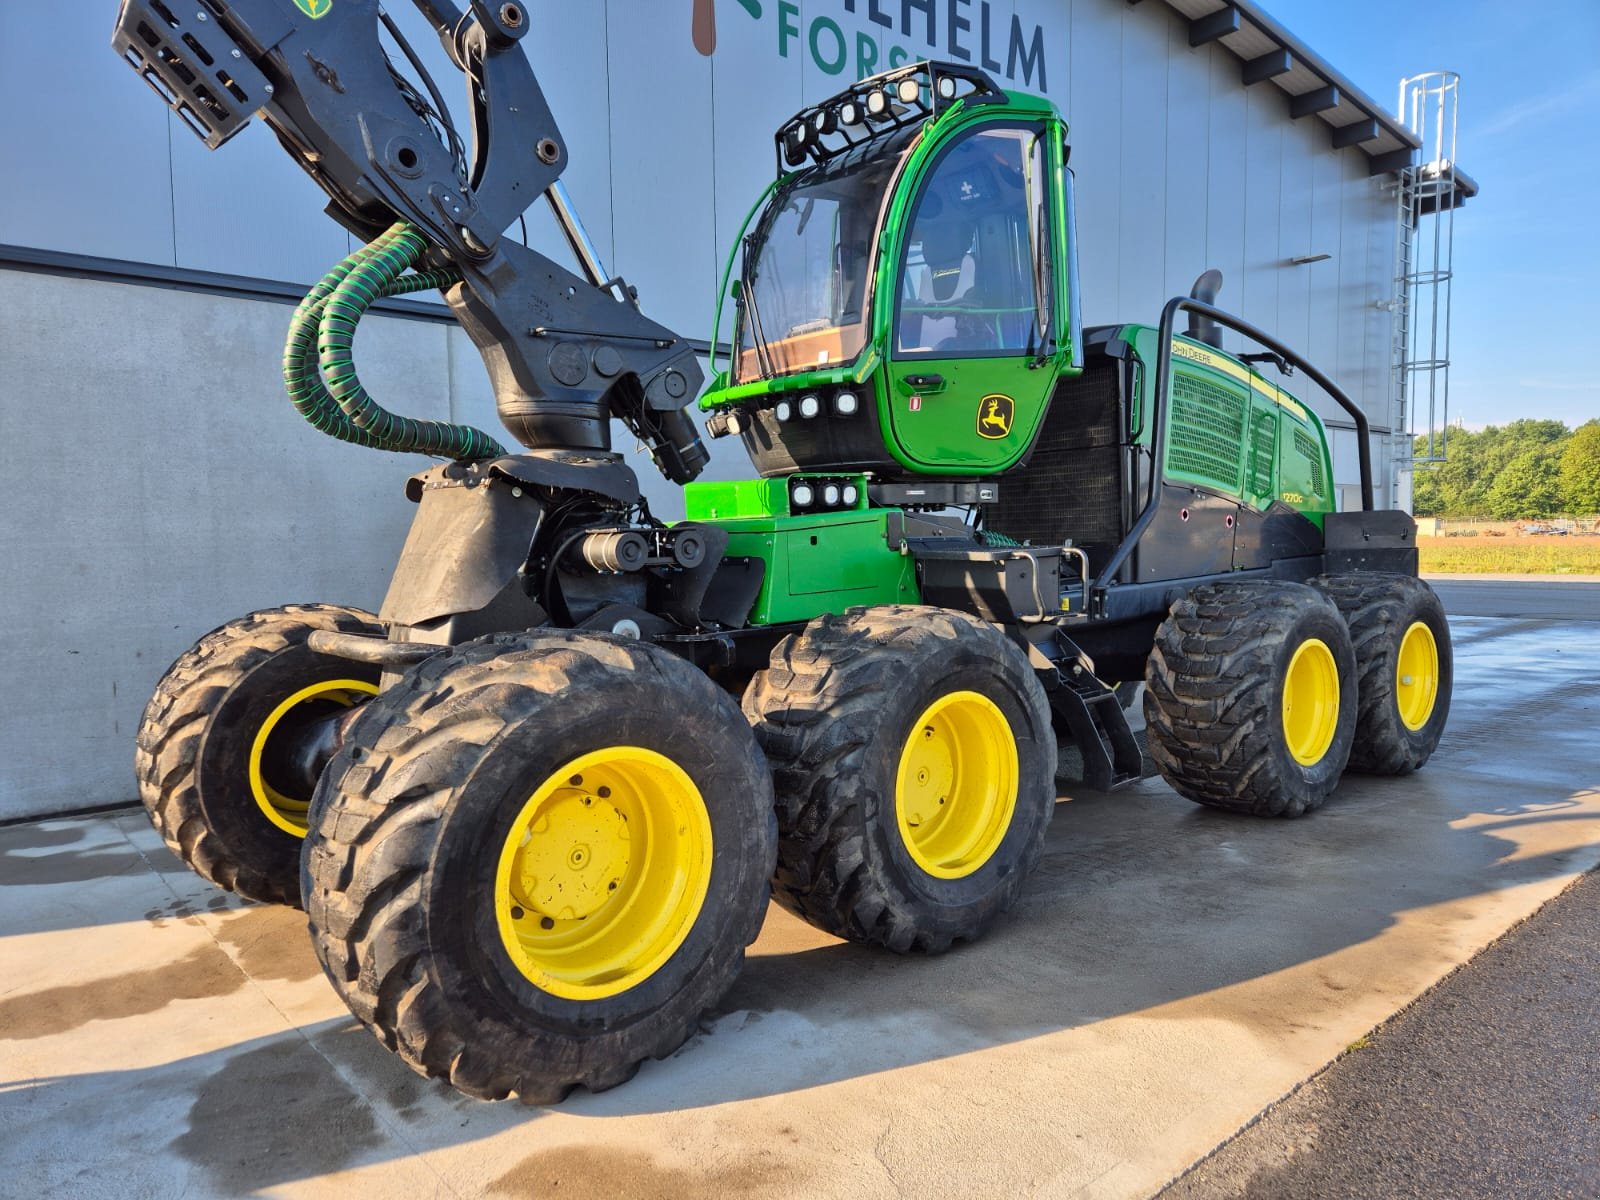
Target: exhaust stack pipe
(1204,329)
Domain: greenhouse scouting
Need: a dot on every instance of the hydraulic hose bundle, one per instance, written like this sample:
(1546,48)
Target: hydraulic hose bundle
(319,362)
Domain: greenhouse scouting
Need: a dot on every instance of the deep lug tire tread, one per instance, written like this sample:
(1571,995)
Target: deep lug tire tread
(1212,697)
(376,824)
(1378,609)
(815,710)
(168,744)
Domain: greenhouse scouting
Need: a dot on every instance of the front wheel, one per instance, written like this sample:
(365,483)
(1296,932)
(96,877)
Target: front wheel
(213,752)
(538,859)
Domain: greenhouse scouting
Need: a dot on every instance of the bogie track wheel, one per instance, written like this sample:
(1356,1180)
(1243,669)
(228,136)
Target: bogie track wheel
(1403,663)
(914,768)
(1250,700)
(212,752)
(538,859)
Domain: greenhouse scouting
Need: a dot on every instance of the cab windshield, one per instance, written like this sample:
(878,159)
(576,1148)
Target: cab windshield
(807,266)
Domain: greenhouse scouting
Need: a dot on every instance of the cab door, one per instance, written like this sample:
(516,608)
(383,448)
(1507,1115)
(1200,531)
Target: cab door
(976,312)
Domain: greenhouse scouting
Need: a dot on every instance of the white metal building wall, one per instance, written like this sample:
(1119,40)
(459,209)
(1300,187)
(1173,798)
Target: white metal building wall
(159,484)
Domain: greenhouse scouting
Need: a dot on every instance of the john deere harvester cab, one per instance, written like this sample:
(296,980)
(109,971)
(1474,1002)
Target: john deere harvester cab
(534,805)
(910,279)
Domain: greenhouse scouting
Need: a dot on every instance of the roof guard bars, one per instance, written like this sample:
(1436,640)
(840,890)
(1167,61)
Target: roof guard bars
(1163,384)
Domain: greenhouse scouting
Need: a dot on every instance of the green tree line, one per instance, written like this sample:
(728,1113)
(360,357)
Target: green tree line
(1525,469)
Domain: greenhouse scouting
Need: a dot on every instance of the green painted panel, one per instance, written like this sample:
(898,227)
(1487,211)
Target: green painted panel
(826,562)
(708,501)
(979,422)
(1282,447)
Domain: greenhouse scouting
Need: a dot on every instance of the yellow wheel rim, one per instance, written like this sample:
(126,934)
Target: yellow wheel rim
(956,788)
(288,813)
(1417,676)
(603,873)
(1310,702)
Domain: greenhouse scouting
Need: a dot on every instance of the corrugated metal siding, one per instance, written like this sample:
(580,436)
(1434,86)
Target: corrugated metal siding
(1179,168)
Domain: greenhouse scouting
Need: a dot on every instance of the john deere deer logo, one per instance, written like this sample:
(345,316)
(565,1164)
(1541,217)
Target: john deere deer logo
(995,414)
(314,8)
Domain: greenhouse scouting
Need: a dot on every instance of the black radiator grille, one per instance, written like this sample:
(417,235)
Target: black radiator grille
(1072,486)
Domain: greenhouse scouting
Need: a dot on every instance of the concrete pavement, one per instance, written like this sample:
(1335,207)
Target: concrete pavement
(1168,974)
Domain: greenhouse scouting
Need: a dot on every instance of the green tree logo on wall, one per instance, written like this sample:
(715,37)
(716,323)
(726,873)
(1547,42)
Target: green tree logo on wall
(705,22)
(314,8)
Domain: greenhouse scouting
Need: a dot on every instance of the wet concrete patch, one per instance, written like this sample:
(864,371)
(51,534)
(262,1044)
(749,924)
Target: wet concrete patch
(271,942)
(179,910)
(603,1173)
(272,1115)
(379,1073)
(202,973)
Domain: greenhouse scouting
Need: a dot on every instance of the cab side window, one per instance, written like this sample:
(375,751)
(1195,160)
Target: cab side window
(975,276)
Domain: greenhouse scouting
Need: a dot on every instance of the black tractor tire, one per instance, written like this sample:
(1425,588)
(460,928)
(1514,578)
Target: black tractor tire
(410,820)
(193,747)
(833,712)
(1213,702)
(1380,610)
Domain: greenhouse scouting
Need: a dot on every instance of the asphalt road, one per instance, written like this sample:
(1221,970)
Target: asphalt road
(1542,597)
(1488,1086)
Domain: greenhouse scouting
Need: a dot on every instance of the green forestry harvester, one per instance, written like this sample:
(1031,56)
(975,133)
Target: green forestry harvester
(535,806)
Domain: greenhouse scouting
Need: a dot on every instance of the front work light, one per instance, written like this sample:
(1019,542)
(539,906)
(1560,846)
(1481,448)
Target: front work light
(810,406)
(877,103)
(850,495)
(802,495)
(846,404)
(850,113)
(908,90)
(783,410)
(830,495)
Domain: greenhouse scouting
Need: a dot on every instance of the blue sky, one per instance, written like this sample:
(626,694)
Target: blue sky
(1527,261)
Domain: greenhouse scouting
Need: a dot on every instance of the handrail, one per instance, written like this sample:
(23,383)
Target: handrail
(1095,602)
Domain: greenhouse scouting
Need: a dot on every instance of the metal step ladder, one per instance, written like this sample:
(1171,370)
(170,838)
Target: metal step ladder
(1092,714)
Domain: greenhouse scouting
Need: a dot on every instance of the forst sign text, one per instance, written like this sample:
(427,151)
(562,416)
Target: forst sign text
(968,31)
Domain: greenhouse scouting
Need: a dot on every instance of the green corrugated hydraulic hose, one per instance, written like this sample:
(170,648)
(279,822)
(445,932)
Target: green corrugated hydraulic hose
(318,359)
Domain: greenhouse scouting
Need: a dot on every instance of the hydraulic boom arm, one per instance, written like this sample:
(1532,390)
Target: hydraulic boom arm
(565,352)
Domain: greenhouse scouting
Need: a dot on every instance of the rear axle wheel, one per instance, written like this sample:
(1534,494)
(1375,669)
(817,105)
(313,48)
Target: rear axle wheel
(1403,667)
(1250,700)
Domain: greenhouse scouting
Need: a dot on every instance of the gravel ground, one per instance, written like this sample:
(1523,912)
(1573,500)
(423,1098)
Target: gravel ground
(1488,1086)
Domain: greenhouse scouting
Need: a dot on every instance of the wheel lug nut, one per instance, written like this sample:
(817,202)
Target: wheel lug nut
(516,913)
(546,923)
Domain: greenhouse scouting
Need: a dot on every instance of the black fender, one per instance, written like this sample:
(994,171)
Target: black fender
(475,525)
